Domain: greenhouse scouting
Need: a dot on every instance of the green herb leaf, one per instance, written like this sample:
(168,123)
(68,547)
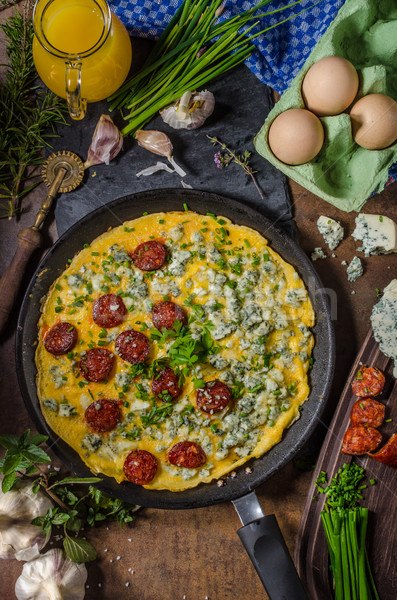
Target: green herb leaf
(79,550)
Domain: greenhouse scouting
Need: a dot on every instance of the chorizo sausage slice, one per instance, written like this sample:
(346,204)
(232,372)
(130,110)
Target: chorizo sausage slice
(369,381)
(140,467)
(388,453)
(360,440)
(367,411)
(61,338)
(109,311)
(96,364)
(103,415)
(165,385)
(132,346)
(149,256)
(165,313)
(189,455)
(213,397)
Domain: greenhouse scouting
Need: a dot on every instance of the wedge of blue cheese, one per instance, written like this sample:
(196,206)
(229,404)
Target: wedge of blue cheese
(331,230)
(377,233)
(384,322)
(355,269)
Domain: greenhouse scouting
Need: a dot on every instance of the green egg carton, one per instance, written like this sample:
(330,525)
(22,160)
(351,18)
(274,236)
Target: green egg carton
(343,173)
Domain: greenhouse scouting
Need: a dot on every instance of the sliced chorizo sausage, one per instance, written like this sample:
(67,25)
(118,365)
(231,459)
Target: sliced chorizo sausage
(96,364)
(213,397)
(367,411)
(165,385)
(149,256)
(369,381)
(140,467)
(189,455)
(60,339)
(103,415)
(164,314)
(388,453)
(132,346)
(360,440)
(109,311)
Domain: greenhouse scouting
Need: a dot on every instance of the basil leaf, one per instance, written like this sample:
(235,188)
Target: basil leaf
(38,439)
(11,463)
(79,550)
(35,454)
(9,441)
(8,482)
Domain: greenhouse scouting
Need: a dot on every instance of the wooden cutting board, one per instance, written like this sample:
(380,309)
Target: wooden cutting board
(311,554)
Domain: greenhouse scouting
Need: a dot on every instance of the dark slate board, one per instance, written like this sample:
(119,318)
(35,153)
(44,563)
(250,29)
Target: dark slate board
(242,104)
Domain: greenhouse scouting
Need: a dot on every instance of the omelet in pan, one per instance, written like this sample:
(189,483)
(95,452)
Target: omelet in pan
(173,349)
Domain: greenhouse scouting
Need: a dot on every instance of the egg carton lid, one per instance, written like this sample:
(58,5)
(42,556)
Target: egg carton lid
(343,173)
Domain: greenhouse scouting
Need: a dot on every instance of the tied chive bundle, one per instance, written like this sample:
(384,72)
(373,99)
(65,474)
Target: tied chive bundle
(192,50)
(345,525)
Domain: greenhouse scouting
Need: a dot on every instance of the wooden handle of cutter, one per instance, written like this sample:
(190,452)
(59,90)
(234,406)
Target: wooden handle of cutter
(28,241)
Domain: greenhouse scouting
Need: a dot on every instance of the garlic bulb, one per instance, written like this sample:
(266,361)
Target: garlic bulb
(18,538)
(106,143)
(158,143)
(190,111)
(51,576)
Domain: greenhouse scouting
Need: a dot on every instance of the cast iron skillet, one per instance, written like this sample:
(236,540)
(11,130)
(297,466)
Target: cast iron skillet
(272,561)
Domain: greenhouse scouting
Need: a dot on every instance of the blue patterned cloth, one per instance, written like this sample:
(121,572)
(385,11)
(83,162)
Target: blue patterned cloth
(280,52)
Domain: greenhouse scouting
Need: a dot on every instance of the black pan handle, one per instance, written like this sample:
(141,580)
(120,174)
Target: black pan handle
(269,554)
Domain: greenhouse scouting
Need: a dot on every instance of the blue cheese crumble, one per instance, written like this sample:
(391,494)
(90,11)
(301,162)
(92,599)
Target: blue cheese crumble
(355,269)
(331,230)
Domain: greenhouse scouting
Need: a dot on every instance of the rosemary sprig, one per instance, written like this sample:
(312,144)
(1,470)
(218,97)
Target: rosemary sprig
(28,116)
(225,159)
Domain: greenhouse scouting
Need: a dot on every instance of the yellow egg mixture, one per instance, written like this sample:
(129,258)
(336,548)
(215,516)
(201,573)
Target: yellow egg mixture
(247,308)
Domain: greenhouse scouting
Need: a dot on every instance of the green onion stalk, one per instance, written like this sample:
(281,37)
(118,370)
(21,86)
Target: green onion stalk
(194,48)
(345,526)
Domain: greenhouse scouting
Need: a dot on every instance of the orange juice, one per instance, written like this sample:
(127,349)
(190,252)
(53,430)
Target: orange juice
(81,31)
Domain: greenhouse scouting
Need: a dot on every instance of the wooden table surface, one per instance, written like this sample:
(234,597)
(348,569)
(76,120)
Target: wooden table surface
(196,554)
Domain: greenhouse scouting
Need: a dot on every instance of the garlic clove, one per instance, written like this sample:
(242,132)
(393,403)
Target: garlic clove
(106,143)
(154,141)
(158,143)
(18,507)
(190,111)
(52,576)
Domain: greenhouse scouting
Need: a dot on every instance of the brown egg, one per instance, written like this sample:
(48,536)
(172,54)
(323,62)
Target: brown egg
(330,86)
(374,121)
(296,136)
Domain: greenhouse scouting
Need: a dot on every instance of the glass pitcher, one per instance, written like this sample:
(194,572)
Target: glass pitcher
(81,50)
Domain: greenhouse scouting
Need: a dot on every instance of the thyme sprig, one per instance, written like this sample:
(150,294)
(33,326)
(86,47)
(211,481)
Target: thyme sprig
(28,115)
(224,160)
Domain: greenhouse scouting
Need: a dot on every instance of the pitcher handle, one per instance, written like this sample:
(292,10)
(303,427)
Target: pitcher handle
(76,104)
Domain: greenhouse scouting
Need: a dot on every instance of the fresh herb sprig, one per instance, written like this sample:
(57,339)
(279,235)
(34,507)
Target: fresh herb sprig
(74,508)
(224,160)
(28,116)
(345,525)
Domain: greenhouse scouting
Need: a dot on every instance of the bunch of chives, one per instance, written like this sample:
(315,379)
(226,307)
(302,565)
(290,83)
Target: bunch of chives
(193,49)
(345,525)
